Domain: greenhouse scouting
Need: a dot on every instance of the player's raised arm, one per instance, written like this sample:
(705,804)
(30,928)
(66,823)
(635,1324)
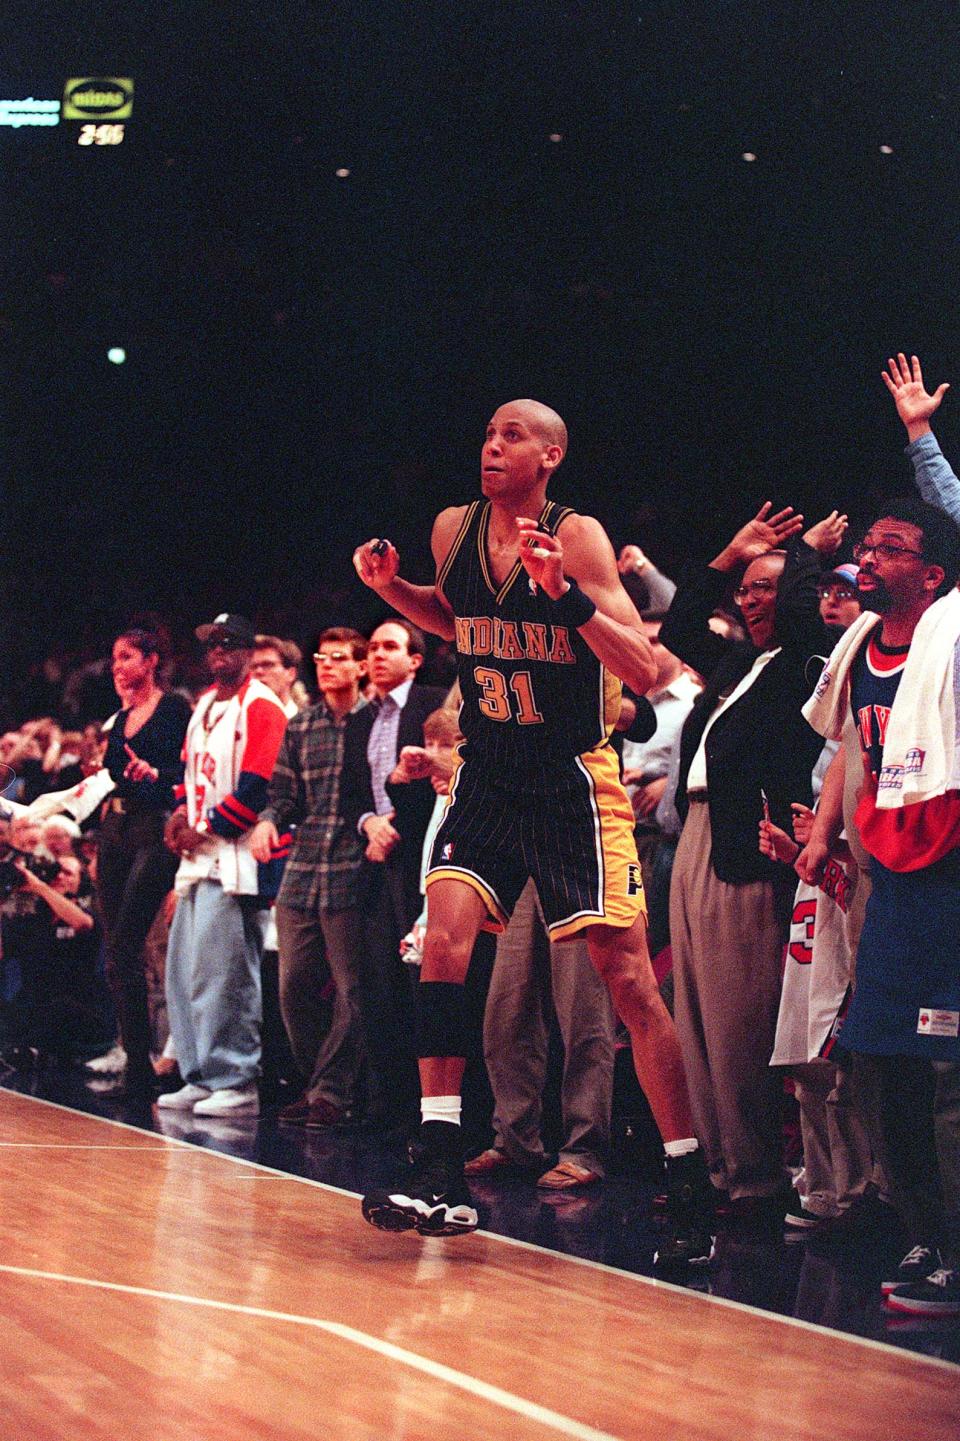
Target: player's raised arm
(377,563)
(578,570)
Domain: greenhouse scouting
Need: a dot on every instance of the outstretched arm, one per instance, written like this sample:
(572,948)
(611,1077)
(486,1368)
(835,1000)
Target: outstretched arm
(765,532)
(935,479)
(585,557)
(421,604)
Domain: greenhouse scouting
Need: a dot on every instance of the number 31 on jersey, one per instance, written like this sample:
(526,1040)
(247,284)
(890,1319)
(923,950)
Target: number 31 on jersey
(503,700)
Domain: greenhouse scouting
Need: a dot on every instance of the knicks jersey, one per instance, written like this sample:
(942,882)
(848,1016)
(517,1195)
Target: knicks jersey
(534,694)
(874,680)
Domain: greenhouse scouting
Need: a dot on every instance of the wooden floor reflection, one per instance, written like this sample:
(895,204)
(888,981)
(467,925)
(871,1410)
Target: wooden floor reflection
(151,1288)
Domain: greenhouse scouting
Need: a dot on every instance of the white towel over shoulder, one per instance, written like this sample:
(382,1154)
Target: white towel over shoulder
(827,708)
(921,754)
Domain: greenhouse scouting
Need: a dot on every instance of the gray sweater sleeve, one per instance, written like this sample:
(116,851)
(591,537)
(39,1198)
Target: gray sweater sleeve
(935,479)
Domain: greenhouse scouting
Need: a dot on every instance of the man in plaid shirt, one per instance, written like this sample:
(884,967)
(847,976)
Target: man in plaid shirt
(317,912)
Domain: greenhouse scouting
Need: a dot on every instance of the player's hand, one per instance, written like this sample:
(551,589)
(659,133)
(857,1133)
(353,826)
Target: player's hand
(262,838)
(542,558)
(803,818)
(776,844)
(915,405)
(826,536)
(137,769)
(376,567)
(811,861)
(764,533)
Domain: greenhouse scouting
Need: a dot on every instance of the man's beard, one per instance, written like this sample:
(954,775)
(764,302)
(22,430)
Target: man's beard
(879,599)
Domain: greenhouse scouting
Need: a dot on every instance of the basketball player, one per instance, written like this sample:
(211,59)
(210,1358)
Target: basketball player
(545,634)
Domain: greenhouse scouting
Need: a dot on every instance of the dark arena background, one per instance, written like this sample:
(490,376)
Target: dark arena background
(334,237)
(266,270)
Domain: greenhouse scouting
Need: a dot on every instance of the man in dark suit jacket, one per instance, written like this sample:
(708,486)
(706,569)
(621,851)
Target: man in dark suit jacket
(393,818)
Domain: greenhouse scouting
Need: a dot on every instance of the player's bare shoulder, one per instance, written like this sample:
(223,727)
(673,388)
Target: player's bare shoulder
(587,549)
(446,528)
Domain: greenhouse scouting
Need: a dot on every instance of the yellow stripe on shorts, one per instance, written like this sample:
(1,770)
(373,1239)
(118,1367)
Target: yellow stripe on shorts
(622,898)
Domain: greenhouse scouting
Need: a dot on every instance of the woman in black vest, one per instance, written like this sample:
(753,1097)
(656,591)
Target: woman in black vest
(745,752)
(135,870)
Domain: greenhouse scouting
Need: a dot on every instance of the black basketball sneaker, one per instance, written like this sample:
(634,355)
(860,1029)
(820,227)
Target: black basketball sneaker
(433,1197)
(690,1227)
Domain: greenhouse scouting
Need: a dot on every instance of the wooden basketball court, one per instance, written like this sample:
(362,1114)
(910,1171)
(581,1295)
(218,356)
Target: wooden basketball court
(153,1289)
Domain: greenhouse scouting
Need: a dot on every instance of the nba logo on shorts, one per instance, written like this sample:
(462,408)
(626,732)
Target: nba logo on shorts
(634,879)
(447,853)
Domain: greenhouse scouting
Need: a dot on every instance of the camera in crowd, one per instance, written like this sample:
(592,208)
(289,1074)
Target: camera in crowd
(11,877)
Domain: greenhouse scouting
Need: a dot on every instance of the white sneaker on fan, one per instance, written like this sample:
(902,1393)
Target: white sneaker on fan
(183,1100)
(242,1101)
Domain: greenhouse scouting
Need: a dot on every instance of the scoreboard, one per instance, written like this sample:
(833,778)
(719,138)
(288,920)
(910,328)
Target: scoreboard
(93,110)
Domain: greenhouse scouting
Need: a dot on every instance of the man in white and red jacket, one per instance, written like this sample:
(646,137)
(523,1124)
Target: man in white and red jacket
(213,955)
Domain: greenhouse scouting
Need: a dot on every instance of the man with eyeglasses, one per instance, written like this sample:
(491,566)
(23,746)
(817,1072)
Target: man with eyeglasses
(213,954)
(319,927)
(903,1025)
(839,598)
(276,662)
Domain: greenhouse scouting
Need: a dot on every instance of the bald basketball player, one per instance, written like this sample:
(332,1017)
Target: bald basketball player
(545,634)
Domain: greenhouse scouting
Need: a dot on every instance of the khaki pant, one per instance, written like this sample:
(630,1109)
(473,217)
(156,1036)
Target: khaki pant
(837,1159)
(530,976)
(727,944)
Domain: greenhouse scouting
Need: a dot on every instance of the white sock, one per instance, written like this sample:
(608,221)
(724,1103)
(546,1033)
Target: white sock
(441,1108)
(685,1147)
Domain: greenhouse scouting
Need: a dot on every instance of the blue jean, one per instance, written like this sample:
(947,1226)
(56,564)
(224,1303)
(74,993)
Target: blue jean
(213,987)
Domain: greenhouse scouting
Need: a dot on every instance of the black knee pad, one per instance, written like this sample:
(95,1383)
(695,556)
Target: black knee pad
(441,1019)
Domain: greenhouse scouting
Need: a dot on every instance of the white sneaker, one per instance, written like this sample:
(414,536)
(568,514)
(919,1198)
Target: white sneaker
(183,1100)
(110,1064)
(229,1102)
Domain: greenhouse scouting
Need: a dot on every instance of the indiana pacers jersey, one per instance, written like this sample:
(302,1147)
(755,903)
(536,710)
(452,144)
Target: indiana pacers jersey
(534,694)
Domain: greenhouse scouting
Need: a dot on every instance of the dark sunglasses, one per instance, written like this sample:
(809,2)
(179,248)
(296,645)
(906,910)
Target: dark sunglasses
(224,642)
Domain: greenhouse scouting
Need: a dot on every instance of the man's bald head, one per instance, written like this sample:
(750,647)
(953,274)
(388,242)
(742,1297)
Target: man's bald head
(545,422)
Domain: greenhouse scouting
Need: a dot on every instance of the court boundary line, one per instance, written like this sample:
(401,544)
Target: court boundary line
(887,1348)
(484,1390)
(71,1146)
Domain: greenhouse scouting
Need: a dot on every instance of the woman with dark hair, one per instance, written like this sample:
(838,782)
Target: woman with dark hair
(135,870)
(746,753)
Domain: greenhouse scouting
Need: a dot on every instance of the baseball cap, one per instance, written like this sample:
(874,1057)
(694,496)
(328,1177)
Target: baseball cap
(848,572)
(237,627)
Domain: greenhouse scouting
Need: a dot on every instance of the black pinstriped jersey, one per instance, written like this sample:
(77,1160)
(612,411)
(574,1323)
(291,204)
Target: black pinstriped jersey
(534,694)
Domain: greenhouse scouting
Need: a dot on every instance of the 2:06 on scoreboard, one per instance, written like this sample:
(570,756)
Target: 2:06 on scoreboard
(101,135)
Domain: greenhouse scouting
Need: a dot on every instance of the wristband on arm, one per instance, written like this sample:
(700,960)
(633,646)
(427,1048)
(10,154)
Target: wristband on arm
(574,608)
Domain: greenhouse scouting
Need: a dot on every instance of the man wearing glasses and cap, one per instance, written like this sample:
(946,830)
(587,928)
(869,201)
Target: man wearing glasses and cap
(213,955)
(318,917)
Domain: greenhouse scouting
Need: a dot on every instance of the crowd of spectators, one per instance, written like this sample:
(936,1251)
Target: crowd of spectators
(245,805)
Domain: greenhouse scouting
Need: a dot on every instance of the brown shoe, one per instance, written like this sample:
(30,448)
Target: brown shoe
(566,1175)
(322,1114)
(295,1114)
(487,1161)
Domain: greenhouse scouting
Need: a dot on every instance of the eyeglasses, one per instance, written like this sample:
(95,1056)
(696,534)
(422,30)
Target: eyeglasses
(224,642)
(882,551)
(756,587)
(335,655)
(837,592)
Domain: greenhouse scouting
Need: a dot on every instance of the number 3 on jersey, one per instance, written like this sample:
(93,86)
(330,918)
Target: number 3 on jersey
(495,702)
